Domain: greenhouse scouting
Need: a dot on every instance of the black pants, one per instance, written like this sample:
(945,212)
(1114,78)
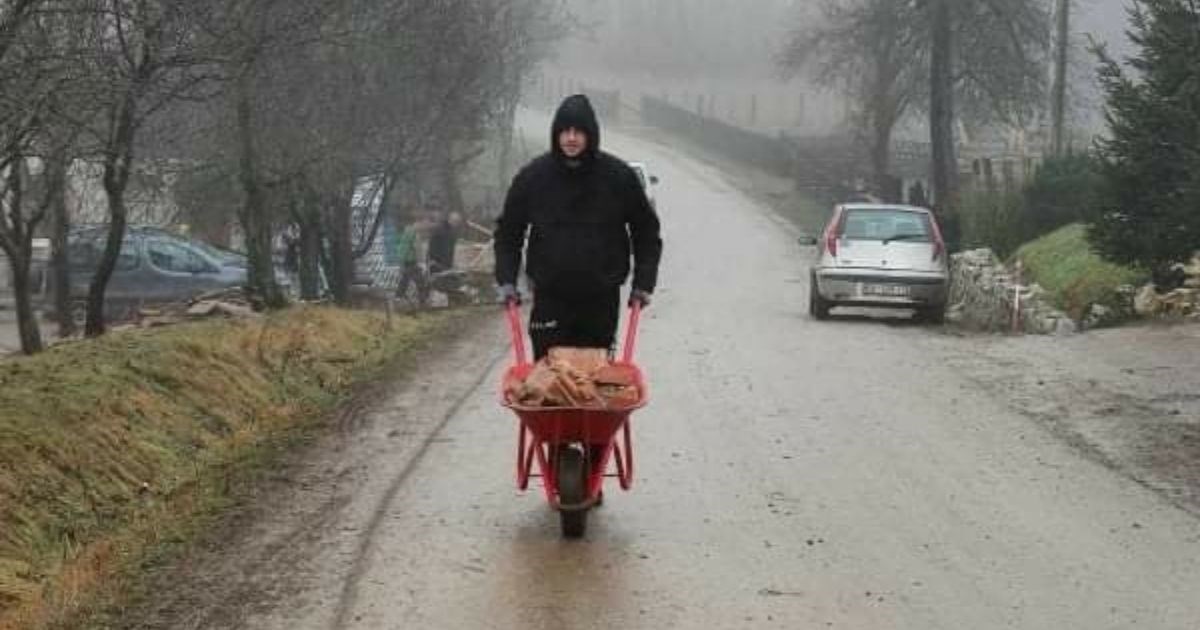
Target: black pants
(411,275)
(576,321)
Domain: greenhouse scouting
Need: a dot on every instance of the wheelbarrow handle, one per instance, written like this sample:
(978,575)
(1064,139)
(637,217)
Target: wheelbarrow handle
(518,337)
(514,327)
(631,332)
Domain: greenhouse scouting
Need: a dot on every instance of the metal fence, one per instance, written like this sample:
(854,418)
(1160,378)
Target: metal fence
(774,155)
(827,167)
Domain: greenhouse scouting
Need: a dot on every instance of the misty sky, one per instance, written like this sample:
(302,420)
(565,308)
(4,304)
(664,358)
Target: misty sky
(725,51)
(1104,18)
(640,37)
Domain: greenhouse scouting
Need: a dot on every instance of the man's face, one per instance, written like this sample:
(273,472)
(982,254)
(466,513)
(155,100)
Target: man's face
(573,142)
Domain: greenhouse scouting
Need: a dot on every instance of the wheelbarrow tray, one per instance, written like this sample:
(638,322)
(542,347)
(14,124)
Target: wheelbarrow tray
(588,425)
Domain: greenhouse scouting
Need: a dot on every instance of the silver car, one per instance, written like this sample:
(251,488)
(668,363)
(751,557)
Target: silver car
(878,255)
(154,267)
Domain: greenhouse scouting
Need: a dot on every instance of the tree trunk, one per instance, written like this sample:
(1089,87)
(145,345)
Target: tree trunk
(114,190)
(27,324)
(60,221)
(510,100)
(1058,107)
(118,161)
(17,242)
(310,255)
(255,222)
(881,151)
(508,125)
(341,249)
(941,109)
(448,178)
(507,137)
(310,261)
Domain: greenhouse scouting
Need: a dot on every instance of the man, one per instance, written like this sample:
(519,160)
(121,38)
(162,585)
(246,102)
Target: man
(443,242)
(410,269)
(585,215)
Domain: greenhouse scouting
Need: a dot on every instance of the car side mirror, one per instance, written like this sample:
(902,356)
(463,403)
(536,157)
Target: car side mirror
(807,240)
(654,180)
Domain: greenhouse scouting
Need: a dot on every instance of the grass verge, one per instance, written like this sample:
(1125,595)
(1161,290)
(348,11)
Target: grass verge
(114,448)
(1074,277)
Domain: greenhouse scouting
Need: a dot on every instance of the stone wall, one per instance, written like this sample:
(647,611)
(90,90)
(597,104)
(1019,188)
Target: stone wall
(982,291)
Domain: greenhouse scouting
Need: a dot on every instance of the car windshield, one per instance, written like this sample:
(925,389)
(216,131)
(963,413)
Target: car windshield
(175,256)
(871,224)
(225,256)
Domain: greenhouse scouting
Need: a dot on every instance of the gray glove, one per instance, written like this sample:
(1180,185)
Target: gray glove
(639,297)
(508,294)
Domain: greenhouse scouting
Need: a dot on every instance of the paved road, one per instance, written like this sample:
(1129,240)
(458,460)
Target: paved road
(792,474)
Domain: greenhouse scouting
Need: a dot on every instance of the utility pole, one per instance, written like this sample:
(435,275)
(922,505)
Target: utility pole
(1058,108)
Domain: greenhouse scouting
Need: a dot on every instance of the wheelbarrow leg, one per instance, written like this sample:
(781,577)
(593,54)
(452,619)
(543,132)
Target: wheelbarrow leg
(598,455)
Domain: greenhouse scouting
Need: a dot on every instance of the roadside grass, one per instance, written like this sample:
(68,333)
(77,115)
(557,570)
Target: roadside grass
(113,449)
(1074,277)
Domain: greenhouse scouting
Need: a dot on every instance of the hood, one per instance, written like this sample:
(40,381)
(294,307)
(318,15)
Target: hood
(576,111)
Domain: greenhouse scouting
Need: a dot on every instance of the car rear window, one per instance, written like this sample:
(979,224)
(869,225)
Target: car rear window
(867,224)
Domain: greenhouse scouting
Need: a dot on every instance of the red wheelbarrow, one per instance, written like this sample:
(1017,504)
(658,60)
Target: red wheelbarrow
(573,447)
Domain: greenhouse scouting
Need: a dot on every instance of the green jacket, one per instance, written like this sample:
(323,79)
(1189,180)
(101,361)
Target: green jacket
(406,246)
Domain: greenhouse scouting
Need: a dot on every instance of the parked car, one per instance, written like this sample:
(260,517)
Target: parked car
(648,181)
(879,255)
(155,266)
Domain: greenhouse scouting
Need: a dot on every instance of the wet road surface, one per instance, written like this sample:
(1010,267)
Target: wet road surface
(791,474)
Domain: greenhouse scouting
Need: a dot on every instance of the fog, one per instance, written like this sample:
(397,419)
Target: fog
(721,55)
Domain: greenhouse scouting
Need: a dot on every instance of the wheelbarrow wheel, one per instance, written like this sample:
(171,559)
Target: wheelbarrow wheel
(572,490)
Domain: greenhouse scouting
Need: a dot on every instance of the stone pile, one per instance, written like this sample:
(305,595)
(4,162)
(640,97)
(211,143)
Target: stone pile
(982,291)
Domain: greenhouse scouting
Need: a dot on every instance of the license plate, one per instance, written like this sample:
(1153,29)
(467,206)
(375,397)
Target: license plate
(886,290)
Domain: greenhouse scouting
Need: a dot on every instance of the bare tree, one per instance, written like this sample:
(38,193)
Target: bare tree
(986,62)
(864,49)
(409,92)
(145,57)
(35,138)
(18,117)
(298,104)
(15,239)
(977,59)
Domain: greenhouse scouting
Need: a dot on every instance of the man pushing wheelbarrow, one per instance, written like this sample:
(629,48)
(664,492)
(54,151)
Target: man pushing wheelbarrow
(584,215)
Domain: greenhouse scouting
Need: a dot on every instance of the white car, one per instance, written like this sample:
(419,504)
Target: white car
(879,255)
(648,181)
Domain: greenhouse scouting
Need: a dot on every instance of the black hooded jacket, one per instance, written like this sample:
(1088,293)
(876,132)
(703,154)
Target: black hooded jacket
(584,218)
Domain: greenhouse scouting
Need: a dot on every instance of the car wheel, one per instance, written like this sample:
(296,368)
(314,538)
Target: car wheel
(818,307)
